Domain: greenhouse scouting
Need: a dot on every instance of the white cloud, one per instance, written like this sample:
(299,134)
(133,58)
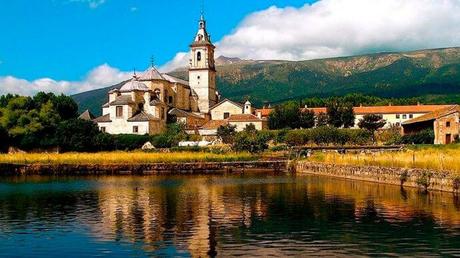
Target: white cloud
(101,76)
(331,28)
(93,4)
(344,27)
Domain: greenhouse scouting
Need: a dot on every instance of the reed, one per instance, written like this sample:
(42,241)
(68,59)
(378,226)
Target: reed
(444,158)
(121,158)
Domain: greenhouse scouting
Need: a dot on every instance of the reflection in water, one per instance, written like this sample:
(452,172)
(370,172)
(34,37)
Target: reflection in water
(199,216)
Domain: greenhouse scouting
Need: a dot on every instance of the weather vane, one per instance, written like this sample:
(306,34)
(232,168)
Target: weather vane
(152,61)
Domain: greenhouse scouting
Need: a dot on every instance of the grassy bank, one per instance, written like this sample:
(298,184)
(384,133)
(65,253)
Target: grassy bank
(121,158)
(445,157)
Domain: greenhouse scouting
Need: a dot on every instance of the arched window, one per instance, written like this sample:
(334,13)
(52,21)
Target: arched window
(198,56)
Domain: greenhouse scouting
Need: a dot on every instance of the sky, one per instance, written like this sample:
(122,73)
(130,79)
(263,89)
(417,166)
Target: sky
(71,46)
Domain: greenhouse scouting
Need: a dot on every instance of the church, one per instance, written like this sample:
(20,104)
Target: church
(144,104)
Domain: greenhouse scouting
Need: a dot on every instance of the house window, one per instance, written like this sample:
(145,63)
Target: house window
(411,116)
(226,115)
(198,56)
(162,115)
(398,116)
(103,129)
(135,129)
(119,111)
(398,124)
(404,116)
(447,124)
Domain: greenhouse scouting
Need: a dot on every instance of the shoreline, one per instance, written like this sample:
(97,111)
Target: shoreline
(141,168)
(412,177)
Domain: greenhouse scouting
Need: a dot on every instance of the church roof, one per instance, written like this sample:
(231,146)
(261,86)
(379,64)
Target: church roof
(151,74)
(141,117)
(86,115)
(122,100)
(182,113)
(174,79)
(202,37)
(134,85)
(102,119)
(156,102)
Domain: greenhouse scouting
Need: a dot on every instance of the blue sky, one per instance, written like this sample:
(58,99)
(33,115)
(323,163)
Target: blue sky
(64,39)
(70,46)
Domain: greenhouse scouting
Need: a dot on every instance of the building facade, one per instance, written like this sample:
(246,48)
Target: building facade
(144,104)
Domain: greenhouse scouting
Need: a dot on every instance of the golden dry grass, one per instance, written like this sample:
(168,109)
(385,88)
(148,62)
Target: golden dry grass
(121,158)
(436,158)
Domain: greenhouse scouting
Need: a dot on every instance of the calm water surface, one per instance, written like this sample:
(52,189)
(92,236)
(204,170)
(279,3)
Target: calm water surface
(239,215)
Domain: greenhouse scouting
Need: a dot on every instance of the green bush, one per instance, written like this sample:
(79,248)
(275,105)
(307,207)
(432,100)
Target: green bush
(4,140)
(130,141)
(422,137)
(297,137)
(250,141)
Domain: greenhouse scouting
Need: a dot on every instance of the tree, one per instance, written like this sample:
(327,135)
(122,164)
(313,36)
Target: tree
(227,133)
(4,140)
(77,135)
(340,114)
(371,123)
(307,119)
(285,116)
(251,141)
(321,119)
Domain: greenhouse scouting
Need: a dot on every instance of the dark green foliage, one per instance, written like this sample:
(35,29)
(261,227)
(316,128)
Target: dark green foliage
(250,141)
(4,140)
(285,116)
(226,133)
(327,135)
(321,119)
(77,135)
(173,135)
(32,122)
(307,119)
(340,114)
(422,137)
(372,122)
(129,141)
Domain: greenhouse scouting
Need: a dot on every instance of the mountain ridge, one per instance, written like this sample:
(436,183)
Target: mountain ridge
(430,73)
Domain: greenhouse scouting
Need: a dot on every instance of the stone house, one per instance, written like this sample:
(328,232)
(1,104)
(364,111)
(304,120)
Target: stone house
(444,122)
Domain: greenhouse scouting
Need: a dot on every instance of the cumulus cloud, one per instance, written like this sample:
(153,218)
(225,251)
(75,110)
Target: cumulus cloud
(330,28)
(101,76)
(344,27)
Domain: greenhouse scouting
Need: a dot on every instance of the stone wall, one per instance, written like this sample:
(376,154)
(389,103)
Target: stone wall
(438,180)
(142,169)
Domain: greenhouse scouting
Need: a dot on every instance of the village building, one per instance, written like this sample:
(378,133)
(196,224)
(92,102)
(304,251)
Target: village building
(228,112)
(144,104)
(444,122)
(393,115)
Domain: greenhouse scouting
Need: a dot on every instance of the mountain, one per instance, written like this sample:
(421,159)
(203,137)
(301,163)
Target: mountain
(433,74)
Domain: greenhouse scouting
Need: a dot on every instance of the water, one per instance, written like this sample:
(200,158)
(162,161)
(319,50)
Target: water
(239,215)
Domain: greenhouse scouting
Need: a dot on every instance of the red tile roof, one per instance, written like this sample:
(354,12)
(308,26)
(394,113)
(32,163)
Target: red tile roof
(434,115)
(243,118)
(214,124)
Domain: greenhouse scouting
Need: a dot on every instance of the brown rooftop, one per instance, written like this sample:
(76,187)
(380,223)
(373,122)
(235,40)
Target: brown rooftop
(434,115)
(243,118)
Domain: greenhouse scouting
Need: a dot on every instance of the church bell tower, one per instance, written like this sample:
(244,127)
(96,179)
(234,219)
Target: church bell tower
(202,71)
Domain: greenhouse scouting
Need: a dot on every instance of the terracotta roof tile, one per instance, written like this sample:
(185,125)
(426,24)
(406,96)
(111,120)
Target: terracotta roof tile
(243,118)
(214,124)
(434,115)
(122,100)
(264,112)
(388,109)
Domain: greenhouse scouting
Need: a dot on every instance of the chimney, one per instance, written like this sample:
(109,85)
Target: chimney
(306,106)
(259,114)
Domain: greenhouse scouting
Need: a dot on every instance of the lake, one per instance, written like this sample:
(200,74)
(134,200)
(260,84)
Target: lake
(255,214)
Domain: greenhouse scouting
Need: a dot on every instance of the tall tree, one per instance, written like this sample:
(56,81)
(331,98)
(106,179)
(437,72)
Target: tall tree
(307,119)
(372,123)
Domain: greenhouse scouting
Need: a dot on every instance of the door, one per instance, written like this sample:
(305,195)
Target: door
(448,138)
